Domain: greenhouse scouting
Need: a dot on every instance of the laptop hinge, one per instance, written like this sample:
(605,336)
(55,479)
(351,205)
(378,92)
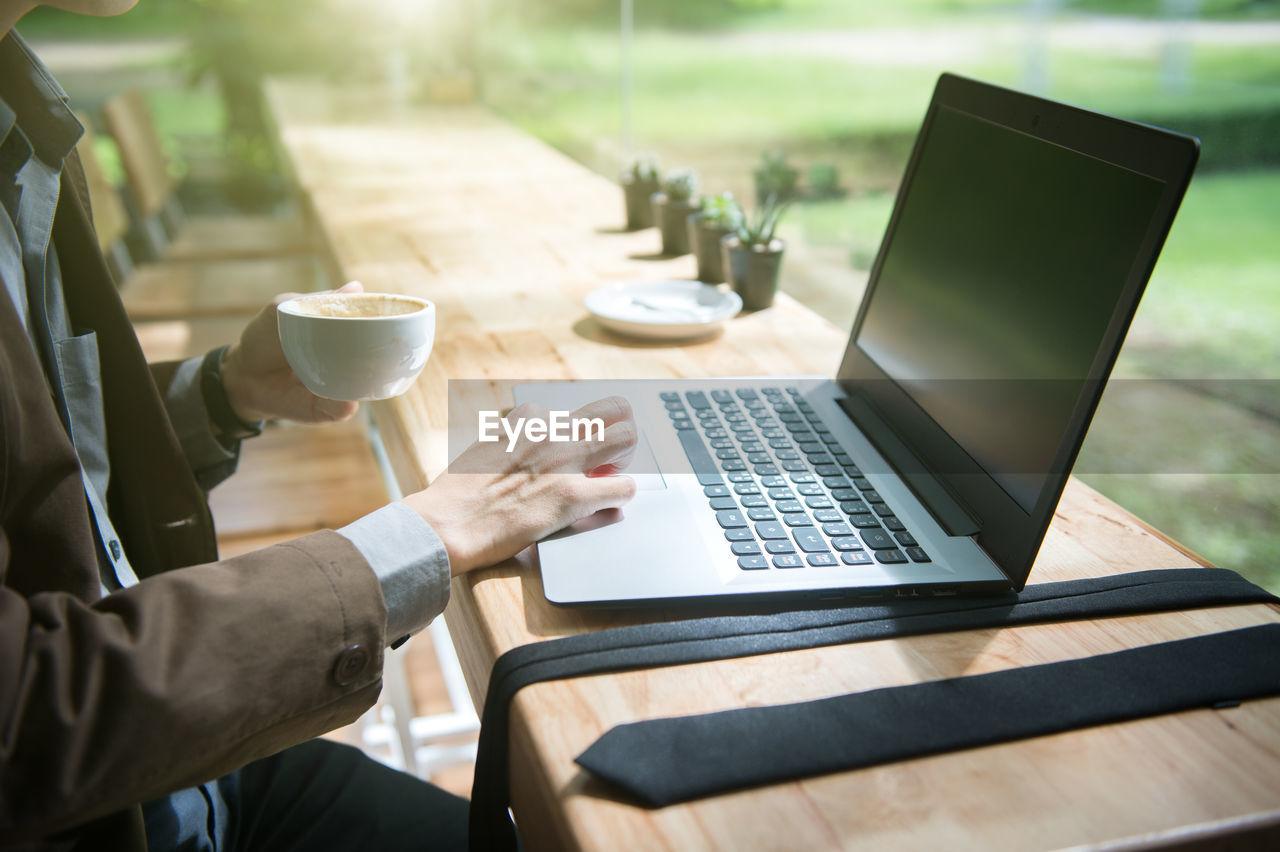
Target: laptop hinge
(950,514)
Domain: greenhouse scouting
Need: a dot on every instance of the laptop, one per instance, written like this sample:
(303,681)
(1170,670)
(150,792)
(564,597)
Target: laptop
(1020,242)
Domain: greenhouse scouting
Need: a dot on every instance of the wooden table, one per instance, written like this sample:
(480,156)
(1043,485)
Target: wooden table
(506,235)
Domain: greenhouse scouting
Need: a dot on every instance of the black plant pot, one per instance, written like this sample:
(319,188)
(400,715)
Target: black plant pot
(671,216)
(753,270)
(636,194)
(705,240)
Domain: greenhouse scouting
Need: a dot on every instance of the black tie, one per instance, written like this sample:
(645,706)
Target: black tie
(702,639)
(673,760)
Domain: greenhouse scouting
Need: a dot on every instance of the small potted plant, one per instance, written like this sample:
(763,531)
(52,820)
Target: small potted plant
(672,206)
(775,177)
(824,182)
(752,255)
(717,219)
(639,183)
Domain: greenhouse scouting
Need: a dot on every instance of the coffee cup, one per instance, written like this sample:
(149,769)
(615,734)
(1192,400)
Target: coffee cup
(356,346)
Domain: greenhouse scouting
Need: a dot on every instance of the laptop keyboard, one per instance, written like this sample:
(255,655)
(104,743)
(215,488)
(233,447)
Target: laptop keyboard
(784,491)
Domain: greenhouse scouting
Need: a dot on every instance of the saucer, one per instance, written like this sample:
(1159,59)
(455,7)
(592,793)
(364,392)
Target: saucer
(663,310)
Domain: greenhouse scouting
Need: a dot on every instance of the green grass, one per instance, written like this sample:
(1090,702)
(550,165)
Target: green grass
(1213,305)
(1211,310)
(563,86)
(823,14)
(1247,66)
(1228,519)
(149,19)
(1223,80)
(186,111)
(1241,10)
(857,223)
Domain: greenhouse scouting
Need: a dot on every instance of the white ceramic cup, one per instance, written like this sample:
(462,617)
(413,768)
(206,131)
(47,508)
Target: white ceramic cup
(357,346)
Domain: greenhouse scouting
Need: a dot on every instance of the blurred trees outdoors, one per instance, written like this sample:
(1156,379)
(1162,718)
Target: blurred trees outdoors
(840,87)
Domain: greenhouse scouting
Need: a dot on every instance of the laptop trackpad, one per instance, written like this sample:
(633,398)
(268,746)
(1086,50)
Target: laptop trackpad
(569,396)
(644,467)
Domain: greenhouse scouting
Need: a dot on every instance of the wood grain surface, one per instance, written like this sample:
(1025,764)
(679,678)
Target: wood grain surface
(507,235)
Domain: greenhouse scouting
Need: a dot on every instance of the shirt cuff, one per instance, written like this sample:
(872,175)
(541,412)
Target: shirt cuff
(185,402)
(410,562)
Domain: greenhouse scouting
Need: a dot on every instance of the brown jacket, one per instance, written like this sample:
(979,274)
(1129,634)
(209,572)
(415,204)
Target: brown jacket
(106,702)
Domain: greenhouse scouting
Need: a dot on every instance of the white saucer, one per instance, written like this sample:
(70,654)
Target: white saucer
(665,310)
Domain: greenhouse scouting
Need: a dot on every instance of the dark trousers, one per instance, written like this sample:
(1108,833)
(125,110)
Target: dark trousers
(320,796)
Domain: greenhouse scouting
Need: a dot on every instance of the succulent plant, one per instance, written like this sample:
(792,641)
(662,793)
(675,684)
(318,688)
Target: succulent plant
(759,228)
(643,169)
(775,162)
(720,211)
(824,179)
(680,184)
(775,176)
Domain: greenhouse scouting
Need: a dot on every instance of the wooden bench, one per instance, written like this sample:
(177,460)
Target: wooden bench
(186,290)
(170,234)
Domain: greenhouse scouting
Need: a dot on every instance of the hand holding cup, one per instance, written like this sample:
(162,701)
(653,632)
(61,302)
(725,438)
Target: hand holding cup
(356,346)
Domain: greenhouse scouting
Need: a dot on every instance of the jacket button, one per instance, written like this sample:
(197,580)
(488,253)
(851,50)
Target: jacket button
(351,664)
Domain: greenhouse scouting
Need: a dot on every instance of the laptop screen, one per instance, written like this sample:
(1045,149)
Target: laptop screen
(996,286)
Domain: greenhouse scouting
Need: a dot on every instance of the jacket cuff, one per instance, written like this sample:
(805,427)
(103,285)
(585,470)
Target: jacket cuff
(410,562)
(210,459)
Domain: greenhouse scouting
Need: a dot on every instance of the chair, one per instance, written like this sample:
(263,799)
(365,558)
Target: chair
(185,290)
(165,229)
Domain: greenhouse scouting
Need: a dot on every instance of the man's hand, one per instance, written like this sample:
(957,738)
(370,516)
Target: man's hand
(531,492)
(259,382)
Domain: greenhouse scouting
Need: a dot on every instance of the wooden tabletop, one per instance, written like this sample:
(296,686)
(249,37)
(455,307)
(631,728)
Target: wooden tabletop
(507,235)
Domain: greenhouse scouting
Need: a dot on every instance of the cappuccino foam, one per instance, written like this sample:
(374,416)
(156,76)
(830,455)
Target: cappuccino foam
(348,305)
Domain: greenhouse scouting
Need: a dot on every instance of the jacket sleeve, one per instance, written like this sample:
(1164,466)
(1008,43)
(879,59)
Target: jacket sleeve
(179,679)
(211,459)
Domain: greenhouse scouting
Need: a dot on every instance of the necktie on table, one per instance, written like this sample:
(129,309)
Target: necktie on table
(663,761)
(727,637)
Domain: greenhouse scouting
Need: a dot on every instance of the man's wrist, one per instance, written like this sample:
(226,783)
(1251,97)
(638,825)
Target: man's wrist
(227,422)
(410,562)
(235,387)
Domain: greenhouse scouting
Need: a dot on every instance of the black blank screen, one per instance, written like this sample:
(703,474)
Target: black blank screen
(997,286)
